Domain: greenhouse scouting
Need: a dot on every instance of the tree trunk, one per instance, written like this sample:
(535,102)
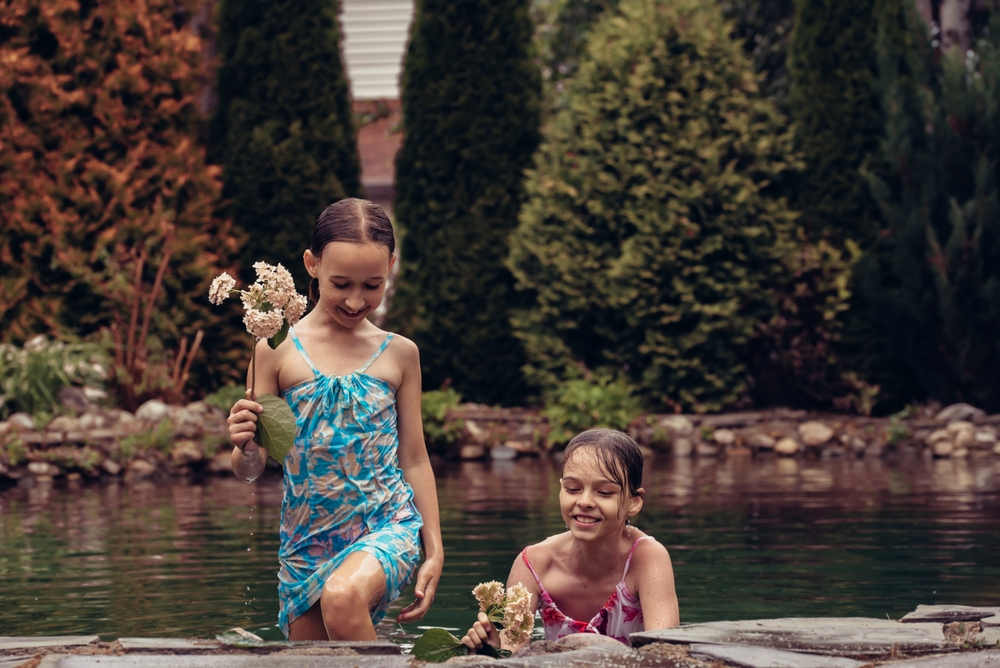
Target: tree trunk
(956,30)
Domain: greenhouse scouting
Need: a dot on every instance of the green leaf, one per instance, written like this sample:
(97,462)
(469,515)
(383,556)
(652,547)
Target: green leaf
(495,652)
(276,340)
(437,646)
(275,426)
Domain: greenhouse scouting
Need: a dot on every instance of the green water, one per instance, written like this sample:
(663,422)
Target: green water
(749,538)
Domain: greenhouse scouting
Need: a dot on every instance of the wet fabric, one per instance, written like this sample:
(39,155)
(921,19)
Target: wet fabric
(620,617)
(343,489)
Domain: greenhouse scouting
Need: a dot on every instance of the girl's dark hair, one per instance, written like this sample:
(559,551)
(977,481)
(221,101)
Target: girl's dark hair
(353,220)
(618,456)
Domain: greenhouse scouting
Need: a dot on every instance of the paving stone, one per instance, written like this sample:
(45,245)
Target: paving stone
(42,642)
(943,614)
(14,660)
(990,621)
(990,637)
(988,659)
(833,636)
(765,657)
(242,660)
(129,644)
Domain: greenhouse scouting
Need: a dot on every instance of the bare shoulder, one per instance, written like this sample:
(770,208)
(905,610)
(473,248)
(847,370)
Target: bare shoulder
(650,557)
(404,348)
(542,554)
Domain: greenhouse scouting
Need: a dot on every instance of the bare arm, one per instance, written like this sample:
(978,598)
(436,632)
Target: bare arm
(655,586)
(417,471)
(243,415)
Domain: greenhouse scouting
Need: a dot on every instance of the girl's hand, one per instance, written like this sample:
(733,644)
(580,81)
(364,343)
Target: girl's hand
(243,422)
(427,581)
(482,631)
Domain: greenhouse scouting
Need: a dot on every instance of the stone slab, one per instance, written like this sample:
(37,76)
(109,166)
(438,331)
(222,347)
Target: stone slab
(833,636)
(43,642)
(235,660)
(990,621)
(990,637)
(942,614)
(130,644)
(987,659)
(765,657)
(13,660)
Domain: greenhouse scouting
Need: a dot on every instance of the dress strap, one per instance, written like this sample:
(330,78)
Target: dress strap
(524,557)
(302,351)
(381,348)
(628,561)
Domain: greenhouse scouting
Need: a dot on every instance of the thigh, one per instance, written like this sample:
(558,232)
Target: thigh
(309,625)
(360,572)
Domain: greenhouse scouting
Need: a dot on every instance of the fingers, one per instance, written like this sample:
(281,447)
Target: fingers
(242,421)
(481,632)
(416,610)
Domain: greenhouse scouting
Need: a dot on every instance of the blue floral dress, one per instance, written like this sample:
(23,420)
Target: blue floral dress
(343,488)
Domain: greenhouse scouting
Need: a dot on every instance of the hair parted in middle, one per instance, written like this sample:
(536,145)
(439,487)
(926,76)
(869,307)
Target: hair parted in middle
(617,453)
(353,220)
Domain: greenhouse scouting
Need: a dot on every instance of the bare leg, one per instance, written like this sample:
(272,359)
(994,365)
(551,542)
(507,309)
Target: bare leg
(309,626)
(349,595)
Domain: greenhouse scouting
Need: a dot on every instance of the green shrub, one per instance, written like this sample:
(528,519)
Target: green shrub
(283,131)
(470,92)
(440,432)
(160,437)
(31,377)
(651,239)
(582,403)
(225,397)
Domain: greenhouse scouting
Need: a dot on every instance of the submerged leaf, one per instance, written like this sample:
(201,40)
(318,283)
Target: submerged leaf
(275,426)
(437,646)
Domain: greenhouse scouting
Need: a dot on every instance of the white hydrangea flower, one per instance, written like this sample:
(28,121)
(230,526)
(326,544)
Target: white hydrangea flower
(221,287)
(488,594)
(295,308)
(263,324)
(518,616)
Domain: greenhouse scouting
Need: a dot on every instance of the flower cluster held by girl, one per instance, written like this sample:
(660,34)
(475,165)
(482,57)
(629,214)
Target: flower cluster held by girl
(359,494)
(602,575)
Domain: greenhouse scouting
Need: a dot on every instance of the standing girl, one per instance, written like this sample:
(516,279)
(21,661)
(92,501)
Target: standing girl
(602,575)
(359,494)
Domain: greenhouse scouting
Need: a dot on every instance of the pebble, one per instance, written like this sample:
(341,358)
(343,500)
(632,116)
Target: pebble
(724,436)
(787,447)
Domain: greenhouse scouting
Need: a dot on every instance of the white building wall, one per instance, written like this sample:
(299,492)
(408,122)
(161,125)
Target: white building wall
(375,35)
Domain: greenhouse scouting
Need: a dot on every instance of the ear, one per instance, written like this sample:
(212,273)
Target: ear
(311,262)
(635,502)
(392,261)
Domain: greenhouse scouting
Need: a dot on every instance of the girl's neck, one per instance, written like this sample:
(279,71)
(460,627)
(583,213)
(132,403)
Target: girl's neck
(595,557)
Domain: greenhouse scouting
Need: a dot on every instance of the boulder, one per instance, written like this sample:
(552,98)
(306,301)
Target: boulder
(92,420)
(786,447)
(724,436)
(985,439)
(43,469)
(74,399)
(111,467)
(814,433)
(706,450)
(187,424)
(678,425)
(95,393)
(937,436)
(959,412)
(471,451)
(21,422)
(152,411)
(943,449)
(761,441)
(140,468)
(63,423)
(186,452)
(502,452)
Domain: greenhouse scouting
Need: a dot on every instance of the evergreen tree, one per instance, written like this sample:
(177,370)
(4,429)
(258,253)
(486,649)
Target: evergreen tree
(832,101)
(283,131)
(651,239)
(104,189)
(931,286)
(471,113)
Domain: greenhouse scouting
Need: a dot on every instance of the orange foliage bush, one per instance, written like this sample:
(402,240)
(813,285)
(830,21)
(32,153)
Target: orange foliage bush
(99,168)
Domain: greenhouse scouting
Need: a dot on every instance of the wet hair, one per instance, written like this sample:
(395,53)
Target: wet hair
(618,456)
(353,220)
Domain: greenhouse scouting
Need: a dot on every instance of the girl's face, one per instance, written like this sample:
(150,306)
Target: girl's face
(592,504)
(352,278)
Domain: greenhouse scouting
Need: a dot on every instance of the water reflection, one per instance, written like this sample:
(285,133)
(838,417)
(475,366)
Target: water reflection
(749,538)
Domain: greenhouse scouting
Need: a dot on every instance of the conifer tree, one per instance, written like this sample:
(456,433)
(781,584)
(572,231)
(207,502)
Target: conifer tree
(471,113)
(651,238)
(832,101)
(99,169)
(283,131)
(931,286)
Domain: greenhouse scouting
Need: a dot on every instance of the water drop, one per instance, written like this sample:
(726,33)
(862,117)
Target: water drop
(248,549)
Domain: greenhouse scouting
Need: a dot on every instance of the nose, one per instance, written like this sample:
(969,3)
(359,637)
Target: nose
(586,499)
(354,301)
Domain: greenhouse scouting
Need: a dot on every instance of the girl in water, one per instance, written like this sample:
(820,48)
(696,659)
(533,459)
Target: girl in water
(359,494)
(602,575)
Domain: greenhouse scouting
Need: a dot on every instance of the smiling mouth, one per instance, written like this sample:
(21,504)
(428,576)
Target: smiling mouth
(351,314)
(585,520)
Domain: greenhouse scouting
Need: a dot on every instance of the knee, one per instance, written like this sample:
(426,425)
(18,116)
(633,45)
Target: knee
(342,599)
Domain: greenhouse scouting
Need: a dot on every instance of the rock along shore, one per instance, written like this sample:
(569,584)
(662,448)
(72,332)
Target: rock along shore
(930,637)
(158,439)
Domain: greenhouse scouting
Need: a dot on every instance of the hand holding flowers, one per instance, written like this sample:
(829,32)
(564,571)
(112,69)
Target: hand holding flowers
(271,306)
(510,612)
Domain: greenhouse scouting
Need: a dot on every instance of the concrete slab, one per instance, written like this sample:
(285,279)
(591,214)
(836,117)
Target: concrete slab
(942,614)
(43,642)
(590,657)
(833,636)
(241,660)
(990,621)
(14,660)
(990,637)
(765,657)
(988,659)
(154,644)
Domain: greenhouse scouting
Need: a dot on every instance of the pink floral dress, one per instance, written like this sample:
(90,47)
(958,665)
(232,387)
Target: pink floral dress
(620,616)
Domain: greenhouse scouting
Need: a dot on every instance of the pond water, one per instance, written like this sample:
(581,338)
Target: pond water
(750,538)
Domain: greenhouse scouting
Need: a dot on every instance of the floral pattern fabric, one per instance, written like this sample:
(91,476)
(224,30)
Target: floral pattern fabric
(343,489)
(620,617)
